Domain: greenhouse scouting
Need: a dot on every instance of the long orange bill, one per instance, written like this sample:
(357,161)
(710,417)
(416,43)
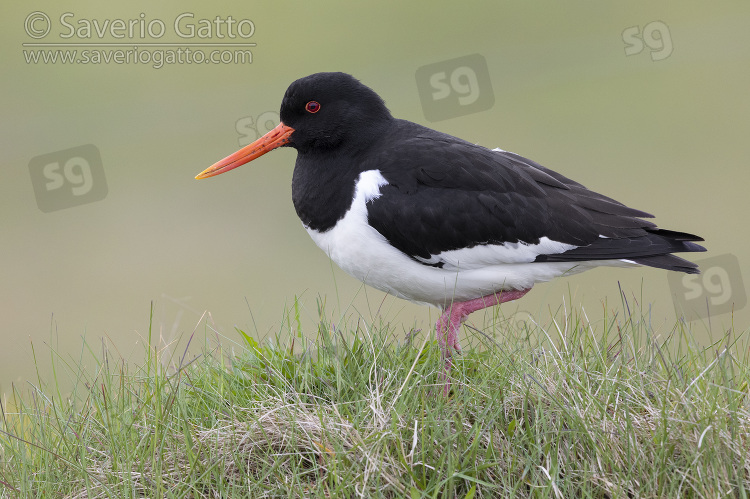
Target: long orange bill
(270,141)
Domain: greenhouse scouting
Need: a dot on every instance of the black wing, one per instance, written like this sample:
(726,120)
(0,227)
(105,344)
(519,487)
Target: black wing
(474,196)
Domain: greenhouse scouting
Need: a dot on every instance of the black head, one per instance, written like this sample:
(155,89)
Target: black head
(327,110)
(320,113)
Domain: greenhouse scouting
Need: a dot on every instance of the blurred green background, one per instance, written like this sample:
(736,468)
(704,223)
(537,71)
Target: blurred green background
(664,132)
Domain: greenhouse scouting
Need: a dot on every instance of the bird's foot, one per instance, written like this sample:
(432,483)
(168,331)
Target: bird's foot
(449,324)
(447,334)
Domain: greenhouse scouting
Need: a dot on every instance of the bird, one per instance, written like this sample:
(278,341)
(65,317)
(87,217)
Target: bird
(438,220)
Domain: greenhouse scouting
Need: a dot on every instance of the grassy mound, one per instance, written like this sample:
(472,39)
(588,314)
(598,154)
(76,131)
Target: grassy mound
(568,409)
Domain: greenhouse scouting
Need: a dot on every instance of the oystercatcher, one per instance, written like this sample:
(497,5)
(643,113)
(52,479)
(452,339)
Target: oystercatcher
(437,220)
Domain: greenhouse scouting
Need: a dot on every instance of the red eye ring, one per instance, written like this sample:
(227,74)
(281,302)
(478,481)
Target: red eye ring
(312,107)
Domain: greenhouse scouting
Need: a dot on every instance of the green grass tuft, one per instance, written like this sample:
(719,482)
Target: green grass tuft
(568,409)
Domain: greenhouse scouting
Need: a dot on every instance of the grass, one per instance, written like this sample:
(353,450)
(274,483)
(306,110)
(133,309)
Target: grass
(573,408)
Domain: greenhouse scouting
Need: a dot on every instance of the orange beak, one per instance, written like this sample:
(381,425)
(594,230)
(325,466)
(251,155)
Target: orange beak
(270,141)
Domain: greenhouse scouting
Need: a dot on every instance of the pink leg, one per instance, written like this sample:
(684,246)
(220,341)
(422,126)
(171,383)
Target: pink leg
(450,322)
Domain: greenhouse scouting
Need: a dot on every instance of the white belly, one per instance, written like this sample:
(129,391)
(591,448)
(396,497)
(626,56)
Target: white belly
(364,253)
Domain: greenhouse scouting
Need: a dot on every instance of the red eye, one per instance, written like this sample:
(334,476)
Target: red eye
(312,107)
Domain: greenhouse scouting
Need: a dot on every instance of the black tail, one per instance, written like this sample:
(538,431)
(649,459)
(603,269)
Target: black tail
(679,242)
(653,247)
